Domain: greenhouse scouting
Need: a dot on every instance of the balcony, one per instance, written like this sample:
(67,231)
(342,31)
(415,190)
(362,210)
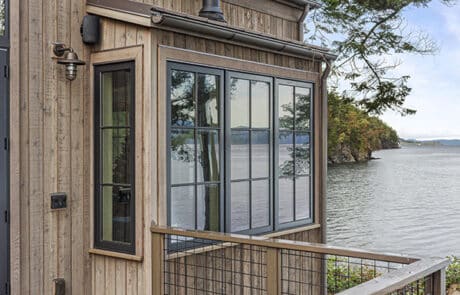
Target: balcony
(198,262)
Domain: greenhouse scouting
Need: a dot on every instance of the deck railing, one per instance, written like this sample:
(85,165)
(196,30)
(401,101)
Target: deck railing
(198,262)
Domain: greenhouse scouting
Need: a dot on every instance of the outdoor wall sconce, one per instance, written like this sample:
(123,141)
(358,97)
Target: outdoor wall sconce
(68,58)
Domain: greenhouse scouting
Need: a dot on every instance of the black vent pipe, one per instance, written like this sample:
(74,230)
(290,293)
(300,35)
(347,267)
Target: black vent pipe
(211,10)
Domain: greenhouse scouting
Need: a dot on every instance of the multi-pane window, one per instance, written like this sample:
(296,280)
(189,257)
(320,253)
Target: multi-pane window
(114,157)
(250,142)
(293,152)
(195,147)
(239,159)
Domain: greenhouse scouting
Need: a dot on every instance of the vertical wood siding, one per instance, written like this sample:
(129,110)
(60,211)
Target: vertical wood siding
(50,137)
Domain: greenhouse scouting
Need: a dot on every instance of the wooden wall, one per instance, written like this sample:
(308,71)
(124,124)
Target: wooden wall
(270,17)
(48,146)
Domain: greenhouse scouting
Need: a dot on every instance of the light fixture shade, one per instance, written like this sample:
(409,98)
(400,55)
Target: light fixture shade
(71,61)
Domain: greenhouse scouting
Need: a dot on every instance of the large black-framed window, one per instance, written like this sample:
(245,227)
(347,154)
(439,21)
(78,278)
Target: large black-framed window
(4,23)
(259,161)
(195,147)
(114,132)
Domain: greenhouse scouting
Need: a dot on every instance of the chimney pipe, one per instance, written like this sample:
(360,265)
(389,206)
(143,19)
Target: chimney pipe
(211,10)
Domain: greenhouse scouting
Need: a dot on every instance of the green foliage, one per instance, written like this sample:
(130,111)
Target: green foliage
(366,34)
(353,130)
(341,275)
(453,272)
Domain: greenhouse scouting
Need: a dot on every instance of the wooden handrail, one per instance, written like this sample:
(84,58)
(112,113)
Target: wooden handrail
(402,277)
(283,244)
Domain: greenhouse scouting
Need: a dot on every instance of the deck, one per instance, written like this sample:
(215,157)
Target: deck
(198,262)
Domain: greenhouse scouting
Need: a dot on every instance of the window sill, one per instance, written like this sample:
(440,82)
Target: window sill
(292,231)
(116,255)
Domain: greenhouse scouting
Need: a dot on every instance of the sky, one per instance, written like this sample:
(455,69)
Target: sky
(435,79)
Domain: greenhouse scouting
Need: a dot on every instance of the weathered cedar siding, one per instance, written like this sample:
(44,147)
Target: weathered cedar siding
(51,135)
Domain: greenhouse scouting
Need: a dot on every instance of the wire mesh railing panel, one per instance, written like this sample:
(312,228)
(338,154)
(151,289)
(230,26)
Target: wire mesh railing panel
(312,273)
(423,286)
(199,266)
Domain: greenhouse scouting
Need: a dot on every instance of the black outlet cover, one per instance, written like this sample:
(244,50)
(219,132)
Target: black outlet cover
(58,201)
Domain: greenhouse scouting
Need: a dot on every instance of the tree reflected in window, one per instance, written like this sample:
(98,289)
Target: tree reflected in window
(2,17)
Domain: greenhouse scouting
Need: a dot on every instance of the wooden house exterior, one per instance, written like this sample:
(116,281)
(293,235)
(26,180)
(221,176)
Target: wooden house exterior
(58,134)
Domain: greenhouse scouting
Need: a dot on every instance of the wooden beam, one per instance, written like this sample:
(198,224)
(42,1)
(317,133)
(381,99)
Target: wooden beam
(158,254)
(273,271)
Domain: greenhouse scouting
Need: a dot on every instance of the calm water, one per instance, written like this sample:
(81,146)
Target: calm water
(406,202)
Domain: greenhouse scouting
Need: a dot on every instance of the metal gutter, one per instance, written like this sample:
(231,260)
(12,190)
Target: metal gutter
(313,4)
(161,17)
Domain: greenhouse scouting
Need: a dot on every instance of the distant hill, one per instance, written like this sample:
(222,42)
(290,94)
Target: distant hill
(433,142)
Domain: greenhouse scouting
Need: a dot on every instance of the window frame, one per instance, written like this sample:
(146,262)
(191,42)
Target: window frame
(99,69)
(306,221)
(197,69)
(278,75)
(228,144)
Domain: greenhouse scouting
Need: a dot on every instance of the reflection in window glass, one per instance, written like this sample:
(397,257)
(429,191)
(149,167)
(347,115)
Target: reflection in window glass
(183,207)
(116,156)
(239,97)
(182,156)
(286,153)
(286,107)
(286,200)
(260,203)
(240,206)
(260,104)
(240,155)
(208,156)
(208,105)
(2,17)
(260,157)
(116,97)
(302,108)
(208,205)
(302,197)
(195,147)
(182,99)
(302,152)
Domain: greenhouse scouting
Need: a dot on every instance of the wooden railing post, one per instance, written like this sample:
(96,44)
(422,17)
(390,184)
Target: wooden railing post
(158,258)
(273,271)
(439,282)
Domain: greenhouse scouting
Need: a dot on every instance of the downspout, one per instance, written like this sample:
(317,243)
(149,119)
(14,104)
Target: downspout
(302,20)
(324,146)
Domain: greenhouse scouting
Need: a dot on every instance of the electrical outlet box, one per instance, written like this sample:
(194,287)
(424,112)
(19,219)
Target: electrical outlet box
(58,201)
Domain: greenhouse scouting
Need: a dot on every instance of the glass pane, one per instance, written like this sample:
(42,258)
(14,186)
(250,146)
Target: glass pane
(286,154)
(182,157)
(286,200)
(2,17)
(260,203)
(116,214)
(208,100)
(302,197)
(208,156)
(286,107)
(208,207)
(260,101)
(302,108)
(240,206)
(183,207)
(240,155)
(116,95)
(182,98)
(115,155)
(302,152)
(239,98)
(260,157)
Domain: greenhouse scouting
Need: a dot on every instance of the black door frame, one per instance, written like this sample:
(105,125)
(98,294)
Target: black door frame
(5,154)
